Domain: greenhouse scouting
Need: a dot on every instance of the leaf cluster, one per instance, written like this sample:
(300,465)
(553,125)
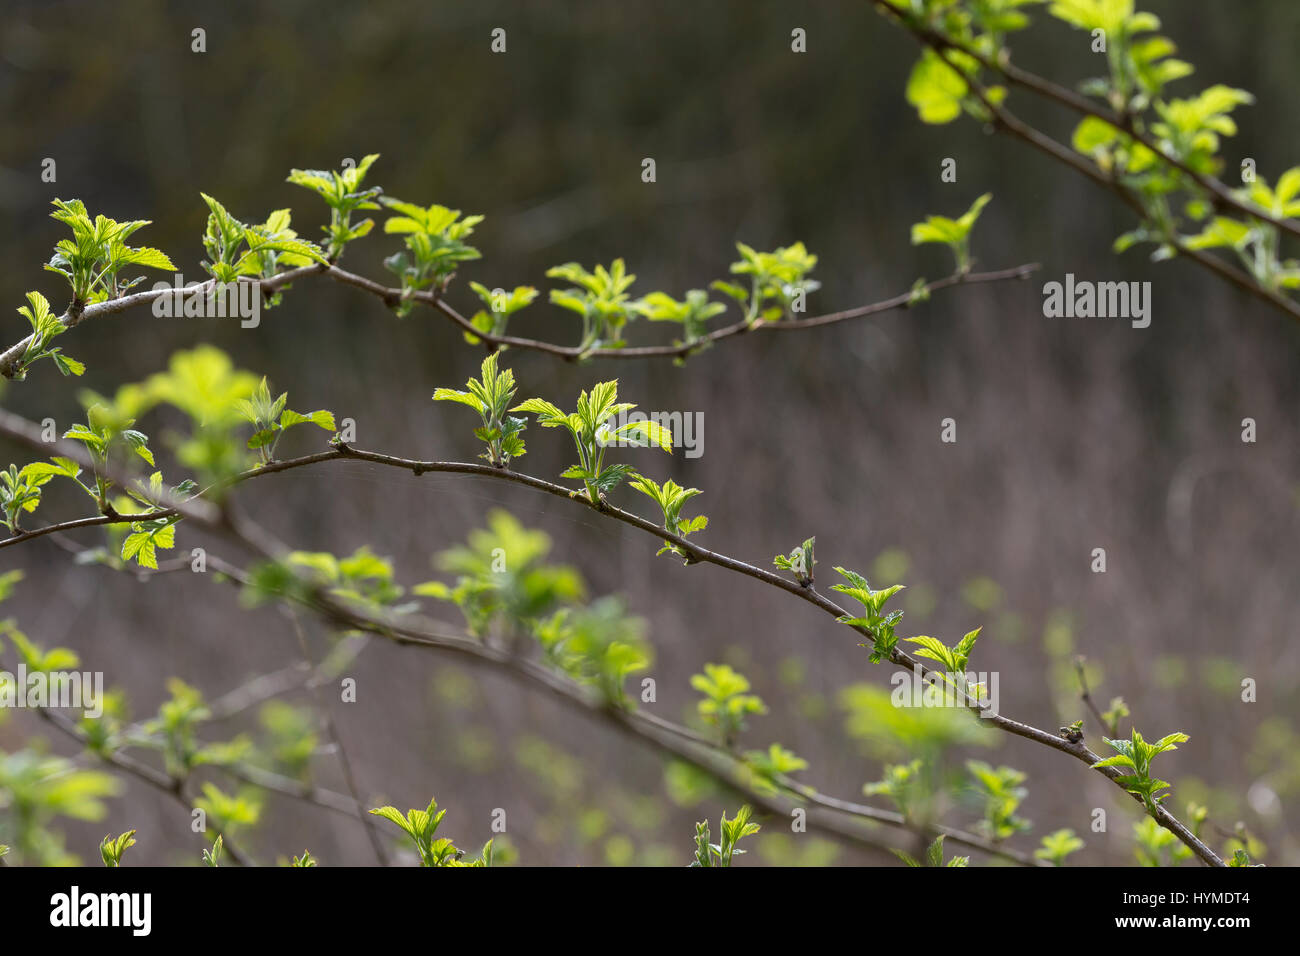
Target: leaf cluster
(777,280)
(45,327)
(271,418)
(490,395)
(879,625)
(435,246)
(933,856)
(94,257)
(237,250)
(727,701)
(800,562)
(501,305)
(591,433)
(670,497)
(1135,755)
(343,193)
(421,826)
(733,831)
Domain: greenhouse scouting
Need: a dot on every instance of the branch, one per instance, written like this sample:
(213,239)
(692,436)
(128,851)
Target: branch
(174,787)
(84,523)
(1086,696)
(697,554)
(11,358)
(680,351)
(662,735)
(703,754)
(1221,195)
(368,821)
(260,543)
(1005,121)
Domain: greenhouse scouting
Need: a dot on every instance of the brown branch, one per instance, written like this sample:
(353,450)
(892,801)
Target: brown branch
(84,523)
(11,358)
(737,328)
(260,543)
(697,554)
(681,742)
(705,755)
(368,822)
(174,787)
(1086,696)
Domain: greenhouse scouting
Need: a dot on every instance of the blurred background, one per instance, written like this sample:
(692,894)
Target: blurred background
(1071,434)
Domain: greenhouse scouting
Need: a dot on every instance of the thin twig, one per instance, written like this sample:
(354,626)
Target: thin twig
(345,764)
(701,752)
(174,787)
(11,359)
(1086,697)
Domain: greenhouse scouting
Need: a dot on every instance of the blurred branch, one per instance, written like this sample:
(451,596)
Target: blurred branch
(668,738)
(368,822)
(1003,120)
(174,787)
(1220,194)
(228,523)
(1086,696)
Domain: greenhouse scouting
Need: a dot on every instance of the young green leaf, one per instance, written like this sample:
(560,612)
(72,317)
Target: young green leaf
(111,848)
(343,194)
(1135,755)
(727,700)
(879,626)
(592,435)
(600,298)
(954,233)
(670,497)
(800,562)
(490,396)
(1056,846)
(435,247)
